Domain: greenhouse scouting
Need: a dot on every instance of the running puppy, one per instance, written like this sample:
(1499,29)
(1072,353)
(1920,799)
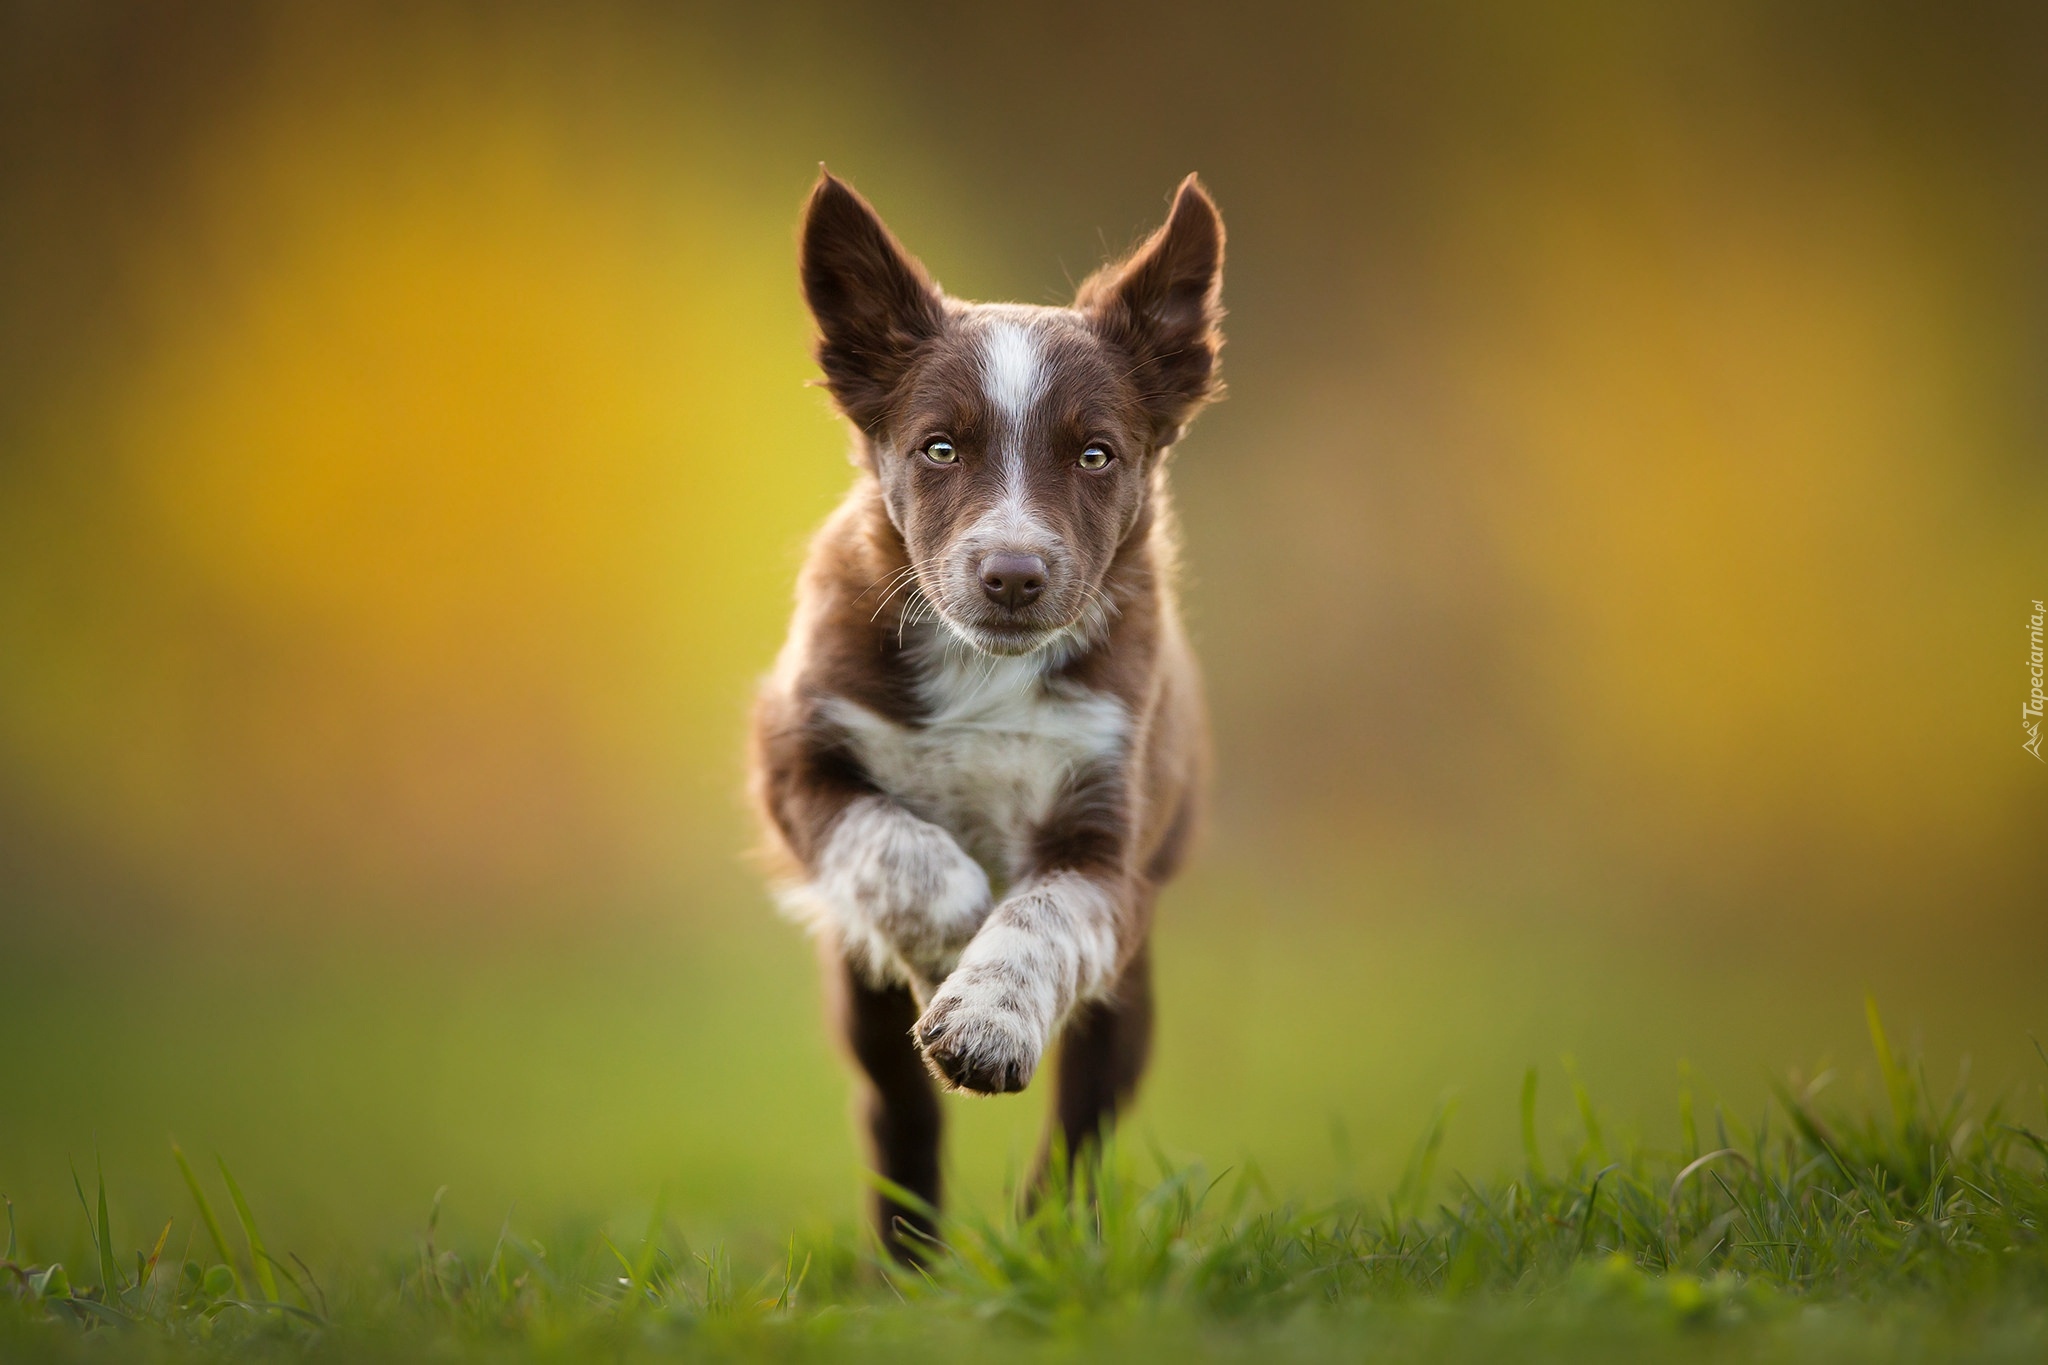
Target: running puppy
(980,752)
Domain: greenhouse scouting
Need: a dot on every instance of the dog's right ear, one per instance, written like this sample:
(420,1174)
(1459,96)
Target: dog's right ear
(874,303)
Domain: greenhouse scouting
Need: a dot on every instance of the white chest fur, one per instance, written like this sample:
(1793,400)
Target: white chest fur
(1001,743)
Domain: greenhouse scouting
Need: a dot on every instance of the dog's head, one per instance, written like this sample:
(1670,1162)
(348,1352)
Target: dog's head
(1015,445)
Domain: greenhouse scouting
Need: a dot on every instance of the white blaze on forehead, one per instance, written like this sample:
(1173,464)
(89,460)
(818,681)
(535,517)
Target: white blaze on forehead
(1012,375)
(1012,369)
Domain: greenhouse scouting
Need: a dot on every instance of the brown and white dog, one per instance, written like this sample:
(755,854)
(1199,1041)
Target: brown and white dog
(981,750)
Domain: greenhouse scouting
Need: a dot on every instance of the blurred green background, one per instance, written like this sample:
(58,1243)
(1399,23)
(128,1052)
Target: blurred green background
(1611,565)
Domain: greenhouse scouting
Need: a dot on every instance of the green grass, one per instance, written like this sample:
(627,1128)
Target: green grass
(1905,1230)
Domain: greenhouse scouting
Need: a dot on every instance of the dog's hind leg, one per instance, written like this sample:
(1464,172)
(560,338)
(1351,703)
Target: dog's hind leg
(899,1104)
(1102,1054)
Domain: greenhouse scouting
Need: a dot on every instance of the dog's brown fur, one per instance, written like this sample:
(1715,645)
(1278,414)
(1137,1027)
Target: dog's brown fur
(975,793)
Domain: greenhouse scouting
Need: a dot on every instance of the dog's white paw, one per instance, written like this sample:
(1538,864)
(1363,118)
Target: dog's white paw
(901,888)
(980,1033)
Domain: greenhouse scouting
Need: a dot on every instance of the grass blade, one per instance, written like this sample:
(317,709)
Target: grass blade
(1897,1083)
(640,1269)
(259,1258)
(1412,1194)
(101,1252)
(317,1290)
(1593,1202)
(1686,1122)
(1532,1152)
(291,1277)
(1596,1145)
(909,1199)
(102,1310)
(643,1264)
(110,1278)
(147,1267)
(220,1241)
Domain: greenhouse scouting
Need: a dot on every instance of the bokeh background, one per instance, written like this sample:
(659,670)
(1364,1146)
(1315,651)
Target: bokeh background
(1611,563)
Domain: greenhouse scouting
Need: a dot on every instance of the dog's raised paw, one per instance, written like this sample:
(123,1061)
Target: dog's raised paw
(974,1038)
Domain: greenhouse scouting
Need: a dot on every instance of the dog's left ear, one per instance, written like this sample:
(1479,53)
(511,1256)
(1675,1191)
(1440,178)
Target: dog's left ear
(1163,307)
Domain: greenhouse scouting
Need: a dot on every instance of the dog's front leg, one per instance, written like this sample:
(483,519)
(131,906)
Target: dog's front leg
(1052,941)
(899,890)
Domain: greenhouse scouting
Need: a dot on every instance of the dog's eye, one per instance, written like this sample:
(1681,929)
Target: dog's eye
(1095,457)
(941,452)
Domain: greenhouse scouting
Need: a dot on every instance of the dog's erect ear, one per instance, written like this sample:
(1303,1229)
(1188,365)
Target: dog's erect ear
(1163,307)
(874,303)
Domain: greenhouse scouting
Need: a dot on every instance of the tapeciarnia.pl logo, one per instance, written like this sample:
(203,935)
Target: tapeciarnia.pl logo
(2030,714)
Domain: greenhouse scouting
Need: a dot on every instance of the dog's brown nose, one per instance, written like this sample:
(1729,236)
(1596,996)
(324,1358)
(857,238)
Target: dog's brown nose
(1013,580)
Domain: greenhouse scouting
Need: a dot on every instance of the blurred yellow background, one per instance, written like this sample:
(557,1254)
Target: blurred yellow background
(1611,563)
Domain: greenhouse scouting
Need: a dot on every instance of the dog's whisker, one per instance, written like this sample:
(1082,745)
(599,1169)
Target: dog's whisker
(907,569)
(903,577)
